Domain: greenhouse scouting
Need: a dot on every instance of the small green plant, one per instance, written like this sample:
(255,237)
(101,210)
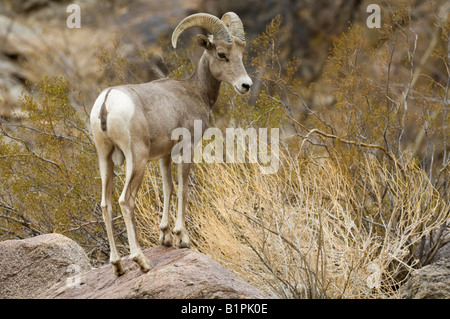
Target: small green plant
(47,168)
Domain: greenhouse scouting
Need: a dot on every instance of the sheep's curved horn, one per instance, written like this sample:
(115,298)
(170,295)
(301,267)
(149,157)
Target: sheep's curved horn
(234,24)
(203,20)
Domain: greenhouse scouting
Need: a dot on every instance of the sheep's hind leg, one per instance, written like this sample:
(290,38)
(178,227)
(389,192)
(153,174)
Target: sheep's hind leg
(106,172)
(134,176)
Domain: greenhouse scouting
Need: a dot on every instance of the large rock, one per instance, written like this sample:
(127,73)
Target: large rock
(429,282)
(27,6)
(13,44)
(31,266)
(177,273)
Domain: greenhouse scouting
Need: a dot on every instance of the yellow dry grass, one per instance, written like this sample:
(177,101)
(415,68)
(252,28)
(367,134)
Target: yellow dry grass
(312,230)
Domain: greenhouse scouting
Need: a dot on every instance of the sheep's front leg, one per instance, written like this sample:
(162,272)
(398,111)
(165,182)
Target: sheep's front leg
(181,239)
(165,237)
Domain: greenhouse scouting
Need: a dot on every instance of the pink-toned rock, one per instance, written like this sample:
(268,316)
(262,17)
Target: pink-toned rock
(177,273)
(31,266)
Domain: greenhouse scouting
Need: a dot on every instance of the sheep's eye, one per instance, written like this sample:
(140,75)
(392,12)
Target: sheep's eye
(222,56)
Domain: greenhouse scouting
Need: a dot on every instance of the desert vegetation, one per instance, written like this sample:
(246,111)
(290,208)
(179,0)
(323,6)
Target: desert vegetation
(361,195)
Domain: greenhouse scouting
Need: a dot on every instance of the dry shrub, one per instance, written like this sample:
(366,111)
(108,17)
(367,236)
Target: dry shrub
(353,217)
(310,230)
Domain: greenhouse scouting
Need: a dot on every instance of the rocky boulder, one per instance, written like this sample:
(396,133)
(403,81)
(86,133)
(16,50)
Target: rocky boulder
(31,266)
(54,266)
(429,282)
(177,274)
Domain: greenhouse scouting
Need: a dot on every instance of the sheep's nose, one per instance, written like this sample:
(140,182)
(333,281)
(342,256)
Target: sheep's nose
(243,85)
(246,86)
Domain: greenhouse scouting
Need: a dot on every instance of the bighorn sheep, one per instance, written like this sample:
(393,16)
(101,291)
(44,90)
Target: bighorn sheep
(134,123)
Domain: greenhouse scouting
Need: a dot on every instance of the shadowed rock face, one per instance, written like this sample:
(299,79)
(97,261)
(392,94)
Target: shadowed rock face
(35,32)
(29,30)
(30,266)
(429,282)
(177,273)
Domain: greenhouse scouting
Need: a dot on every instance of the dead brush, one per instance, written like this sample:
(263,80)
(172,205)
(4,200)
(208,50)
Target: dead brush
(311,230)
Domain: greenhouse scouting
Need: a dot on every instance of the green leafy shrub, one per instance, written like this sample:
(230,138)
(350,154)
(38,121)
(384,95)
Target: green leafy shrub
(48,178)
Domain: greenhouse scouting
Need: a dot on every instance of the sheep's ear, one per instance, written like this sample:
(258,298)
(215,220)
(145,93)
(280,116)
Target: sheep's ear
(204,42)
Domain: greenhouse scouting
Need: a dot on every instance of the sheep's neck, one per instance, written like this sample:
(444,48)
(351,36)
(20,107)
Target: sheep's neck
(207,85)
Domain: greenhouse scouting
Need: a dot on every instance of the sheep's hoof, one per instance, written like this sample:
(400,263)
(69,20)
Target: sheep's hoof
(182,241)
(118,268)
(144,264)
(165,239)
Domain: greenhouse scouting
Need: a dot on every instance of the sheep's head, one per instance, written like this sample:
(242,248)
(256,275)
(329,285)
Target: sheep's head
(224,46)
